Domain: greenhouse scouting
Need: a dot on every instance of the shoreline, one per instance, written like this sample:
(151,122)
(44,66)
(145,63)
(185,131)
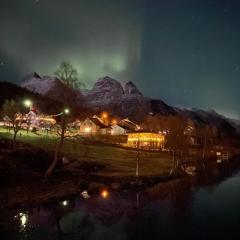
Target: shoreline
(22,175)
(25,187)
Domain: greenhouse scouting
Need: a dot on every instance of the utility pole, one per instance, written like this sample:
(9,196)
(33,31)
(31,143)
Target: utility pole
(137,162)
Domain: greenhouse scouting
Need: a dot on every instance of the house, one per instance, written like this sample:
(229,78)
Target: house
(123,127)
(146,140)
(117,129)
(93,125)
(128,125)
(76,124)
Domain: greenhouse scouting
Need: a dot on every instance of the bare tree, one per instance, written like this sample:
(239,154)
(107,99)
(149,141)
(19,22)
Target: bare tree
(68,74)
(62,134)
(12,110)
(176,140)
(207,135)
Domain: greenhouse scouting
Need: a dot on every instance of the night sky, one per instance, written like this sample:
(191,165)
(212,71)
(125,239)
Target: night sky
(186,52)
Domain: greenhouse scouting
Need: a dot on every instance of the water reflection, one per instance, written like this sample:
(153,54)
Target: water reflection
(85,194)
(104,193)
(23,220)
(64,203)
(197,207)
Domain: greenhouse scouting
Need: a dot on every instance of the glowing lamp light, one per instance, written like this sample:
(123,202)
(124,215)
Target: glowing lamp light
(104,194)
(27,103)
(87,129)
(66,111)
(104,115)
(114,122)
(65,203)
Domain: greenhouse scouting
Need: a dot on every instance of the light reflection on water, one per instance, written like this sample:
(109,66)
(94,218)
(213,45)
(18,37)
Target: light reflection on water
(186,208)
(23,220)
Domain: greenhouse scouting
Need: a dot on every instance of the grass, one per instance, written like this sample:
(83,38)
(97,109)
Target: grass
(119,161)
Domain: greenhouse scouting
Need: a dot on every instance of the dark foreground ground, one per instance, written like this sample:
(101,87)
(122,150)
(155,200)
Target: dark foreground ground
(22,169)
(89,167)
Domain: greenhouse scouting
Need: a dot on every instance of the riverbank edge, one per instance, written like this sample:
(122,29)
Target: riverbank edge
(25,187)
(35,190)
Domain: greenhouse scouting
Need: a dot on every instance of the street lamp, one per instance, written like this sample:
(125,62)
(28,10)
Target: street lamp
(66,111)
(105,118)
(28,103)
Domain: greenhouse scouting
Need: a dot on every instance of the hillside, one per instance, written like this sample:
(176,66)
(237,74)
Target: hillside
(117,97)
(10,91)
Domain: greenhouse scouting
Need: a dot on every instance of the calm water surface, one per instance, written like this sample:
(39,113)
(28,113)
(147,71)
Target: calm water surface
(206,207)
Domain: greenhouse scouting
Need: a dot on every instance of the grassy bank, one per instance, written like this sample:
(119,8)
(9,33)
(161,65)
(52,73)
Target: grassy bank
(119,161)
(91,166)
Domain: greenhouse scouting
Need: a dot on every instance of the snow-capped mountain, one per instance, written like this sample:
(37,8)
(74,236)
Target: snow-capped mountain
(107,90)
(50,87)
(19,94)
(120,98)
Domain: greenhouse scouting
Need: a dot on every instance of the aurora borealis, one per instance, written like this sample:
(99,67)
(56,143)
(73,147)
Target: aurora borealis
(184,52)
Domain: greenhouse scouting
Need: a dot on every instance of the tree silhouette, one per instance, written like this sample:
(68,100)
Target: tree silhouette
(12,110)
(68,74)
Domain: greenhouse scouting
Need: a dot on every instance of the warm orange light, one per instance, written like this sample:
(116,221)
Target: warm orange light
(87,129)
(114,122)
(104,194)
(104,115)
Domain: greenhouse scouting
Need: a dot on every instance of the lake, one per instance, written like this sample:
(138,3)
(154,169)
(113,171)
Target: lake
(206,206)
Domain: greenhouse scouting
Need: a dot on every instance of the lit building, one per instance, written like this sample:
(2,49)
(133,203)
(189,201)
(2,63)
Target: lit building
(93,126)
(128,125)
(47,120)
(146,140)
(116,129)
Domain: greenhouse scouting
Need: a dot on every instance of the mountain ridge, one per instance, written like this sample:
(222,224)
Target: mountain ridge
(121,98)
